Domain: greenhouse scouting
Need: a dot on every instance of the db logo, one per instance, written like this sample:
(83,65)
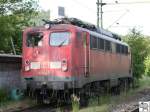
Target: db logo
(144,106)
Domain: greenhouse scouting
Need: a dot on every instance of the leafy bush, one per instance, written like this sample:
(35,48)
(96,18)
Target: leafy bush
(139,45)
(147,65)
(3,96)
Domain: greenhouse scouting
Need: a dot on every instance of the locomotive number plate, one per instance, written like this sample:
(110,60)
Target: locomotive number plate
(55,65)
(35,65)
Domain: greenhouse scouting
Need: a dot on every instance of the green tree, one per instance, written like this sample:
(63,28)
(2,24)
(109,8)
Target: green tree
(147,65)
(139,45)
(42,14)
(15,15)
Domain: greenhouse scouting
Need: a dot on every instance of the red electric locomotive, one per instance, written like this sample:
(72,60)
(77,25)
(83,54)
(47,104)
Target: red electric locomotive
(69,54)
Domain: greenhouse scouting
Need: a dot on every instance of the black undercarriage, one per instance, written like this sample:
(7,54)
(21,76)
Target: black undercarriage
(44,94)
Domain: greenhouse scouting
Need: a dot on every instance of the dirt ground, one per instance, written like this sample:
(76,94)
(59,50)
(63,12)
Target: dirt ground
(131,101)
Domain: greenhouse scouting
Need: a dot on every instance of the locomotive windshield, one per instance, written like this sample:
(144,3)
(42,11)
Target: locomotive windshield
(34,39)
(59,38)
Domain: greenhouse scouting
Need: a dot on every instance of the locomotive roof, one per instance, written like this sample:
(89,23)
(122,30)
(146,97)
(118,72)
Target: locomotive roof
(82,25)
(101,35)
(107,36)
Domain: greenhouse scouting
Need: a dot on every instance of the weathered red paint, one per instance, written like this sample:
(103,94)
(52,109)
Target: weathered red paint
(94,65)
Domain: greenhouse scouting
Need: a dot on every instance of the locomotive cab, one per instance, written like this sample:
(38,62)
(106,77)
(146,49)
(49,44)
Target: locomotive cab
(47,58)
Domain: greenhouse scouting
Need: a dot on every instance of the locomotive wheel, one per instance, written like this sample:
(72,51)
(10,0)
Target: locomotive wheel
(115,90)
(39,99)
(131,83)
(67,97)
(124,85)
(83,100)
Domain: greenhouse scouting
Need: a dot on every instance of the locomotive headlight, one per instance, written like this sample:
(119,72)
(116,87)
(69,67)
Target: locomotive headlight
(27,68)
(27,65)
(64,66)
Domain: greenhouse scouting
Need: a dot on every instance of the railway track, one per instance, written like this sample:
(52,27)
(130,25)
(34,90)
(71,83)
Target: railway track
(22,109)
(39,108)
(131,105)
(48,108)
(45,108)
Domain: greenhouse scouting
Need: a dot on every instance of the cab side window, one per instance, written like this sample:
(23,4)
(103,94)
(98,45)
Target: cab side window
(93,42)
(100,43)
(107,45)
(34,39)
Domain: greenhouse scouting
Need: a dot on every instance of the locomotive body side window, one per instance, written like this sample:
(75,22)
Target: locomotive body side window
(125,50)
(118,48)
(59,38)
(107,45)
(122,49)
(93,42)
(34,39)
(90,41)
(100,43)
(79,35)
(113,47)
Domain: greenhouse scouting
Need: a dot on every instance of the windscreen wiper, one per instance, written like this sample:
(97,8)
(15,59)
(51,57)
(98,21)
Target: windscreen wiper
(61,43)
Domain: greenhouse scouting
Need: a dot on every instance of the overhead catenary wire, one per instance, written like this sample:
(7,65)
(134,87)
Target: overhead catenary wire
(125,26)
(93,11)
(127,3)
(101,4)
(118,18)
(114,11)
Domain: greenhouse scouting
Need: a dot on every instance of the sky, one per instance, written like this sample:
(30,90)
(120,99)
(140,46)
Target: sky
(118,18)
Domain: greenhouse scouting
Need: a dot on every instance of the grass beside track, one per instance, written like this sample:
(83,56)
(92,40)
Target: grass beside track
(108,102)
(10,106)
